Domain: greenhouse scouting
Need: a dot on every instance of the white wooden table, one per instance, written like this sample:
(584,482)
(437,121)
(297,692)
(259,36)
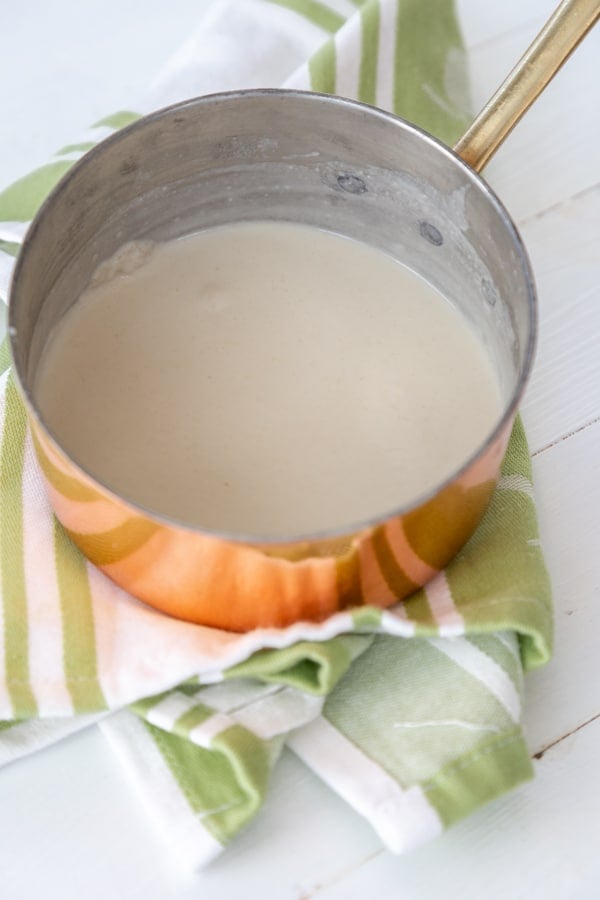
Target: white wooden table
(70,825)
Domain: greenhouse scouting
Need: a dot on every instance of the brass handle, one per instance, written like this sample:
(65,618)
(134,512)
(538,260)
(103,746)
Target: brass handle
(567,26)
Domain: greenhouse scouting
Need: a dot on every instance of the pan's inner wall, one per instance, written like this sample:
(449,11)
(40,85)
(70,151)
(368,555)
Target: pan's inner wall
(279,156)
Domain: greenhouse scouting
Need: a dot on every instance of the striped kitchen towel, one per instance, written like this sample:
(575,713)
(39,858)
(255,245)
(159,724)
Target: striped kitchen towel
(411,714)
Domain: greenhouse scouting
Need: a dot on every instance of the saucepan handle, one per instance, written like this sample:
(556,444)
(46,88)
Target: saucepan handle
(568,25)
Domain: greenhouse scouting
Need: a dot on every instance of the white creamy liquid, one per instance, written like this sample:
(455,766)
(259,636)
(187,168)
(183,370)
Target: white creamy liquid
(265,378)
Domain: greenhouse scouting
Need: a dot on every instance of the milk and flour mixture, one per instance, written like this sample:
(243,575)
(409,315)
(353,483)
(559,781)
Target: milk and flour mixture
(265,378)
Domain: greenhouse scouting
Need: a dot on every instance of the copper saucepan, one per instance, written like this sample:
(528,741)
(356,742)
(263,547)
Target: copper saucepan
(342,166)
